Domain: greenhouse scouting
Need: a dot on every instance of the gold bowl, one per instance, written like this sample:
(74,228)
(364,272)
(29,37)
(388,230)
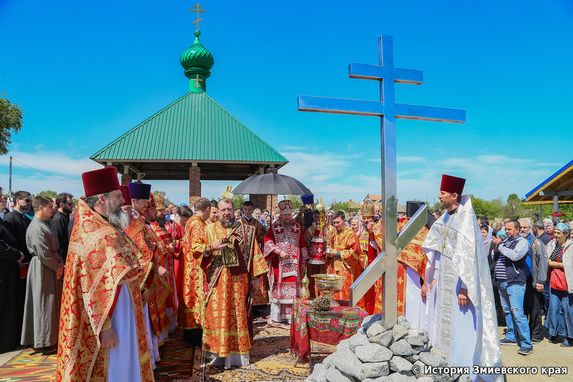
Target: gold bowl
(328,284)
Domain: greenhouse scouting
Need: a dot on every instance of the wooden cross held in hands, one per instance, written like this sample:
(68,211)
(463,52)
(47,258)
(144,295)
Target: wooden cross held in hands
(388,110)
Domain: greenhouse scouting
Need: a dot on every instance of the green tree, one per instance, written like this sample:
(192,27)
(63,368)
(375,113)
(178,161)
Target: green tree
(296,201)
(10,122)
(339,206)
(48,194)
(513,208)
(238,200)
(166,200)
(489,208)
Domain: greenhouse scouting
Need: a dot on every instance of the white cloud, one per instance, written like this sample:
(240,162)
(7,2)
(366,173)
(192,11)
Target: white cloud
(334,176)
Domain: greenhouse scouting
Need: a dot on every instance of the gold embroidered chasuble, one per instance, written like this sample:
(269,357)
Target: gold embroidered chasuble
(192,305)
(151,255)
(228,274)
(348,264)
(412,256)
(100,259)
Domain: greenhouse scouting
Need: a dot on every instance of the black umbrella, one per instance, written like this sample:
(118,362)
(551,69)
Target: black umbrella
(271,184)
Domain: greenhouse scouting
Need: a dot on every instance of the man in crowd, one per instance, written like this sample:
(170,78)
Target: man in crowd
(535,303)
(343,255)
(511,272)
(16,223)
(231,262)
(285,250)
(459,281)
(12,290)
(44,288)
(192,305)
(411,272)
(177,232)
(61,221)
(549,227)
(155,216)
(102,330)
(151,257)
(371,242)
(214,216)
(261,297)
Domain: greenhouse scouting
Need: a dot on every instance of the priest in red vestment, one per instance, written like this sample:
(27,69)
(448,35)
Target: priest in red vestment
(232,263)
(102,330)
(285,250)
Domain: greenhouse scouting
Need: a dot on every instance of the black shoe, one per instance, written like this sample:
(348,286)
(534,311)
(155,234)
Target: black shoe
(536,339)
(566,343)
(554,339)
(505,341)
(525,351)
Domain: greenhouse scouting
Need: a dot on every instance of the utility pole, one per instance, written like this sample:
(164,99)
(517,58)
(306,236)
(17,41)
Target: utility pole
(10,178)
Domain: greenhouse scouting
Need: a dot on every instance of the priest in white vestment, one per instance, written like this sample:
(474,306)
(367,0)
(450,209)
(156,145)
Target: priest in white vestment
(462,323)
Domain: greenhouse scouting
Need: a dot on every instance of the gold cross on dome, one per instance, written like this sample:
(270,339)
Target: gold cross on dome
(197,9)
(197,81)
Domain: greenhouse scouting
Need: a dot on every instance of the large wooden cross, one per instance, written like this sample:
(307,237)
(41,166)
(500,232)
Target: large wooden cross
(388,110)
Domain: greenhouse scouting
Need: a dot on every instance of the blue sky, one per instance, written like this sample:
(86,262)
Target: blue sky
(84,73)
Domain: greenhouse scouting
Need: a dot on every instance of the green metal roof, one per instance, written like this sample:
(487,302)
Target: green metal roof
(193,128)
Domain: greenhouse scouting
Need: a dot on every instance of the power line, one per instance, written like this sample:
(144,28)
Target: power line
(40,171)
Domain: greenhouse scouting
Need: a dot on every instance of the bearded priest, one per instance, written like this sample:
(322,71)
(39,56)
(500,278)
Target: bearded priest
(232,263)
(102,331)
(462,322)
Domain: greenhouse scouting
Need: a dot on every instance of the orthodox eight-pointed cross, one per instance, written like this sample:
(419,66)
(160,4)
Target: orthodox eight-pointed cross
(388,110)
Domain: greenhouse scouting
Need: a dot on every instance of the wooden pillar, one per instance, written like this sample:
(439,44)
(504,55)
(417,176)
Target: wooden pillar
(125,177)
(194,180)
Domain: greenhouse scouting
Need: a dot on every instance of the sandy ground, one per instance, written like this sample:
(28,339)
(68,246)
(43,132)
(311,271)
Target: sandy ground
(545,354)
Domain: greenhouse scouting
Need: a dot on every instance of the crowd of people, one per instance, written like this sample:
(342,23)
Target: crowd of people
(106,281)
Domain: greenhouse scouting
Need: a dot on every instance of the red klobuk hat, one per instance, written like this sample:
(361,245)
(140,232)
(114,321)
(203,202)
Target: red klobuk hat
(100,181)
(452,184)
(126,195)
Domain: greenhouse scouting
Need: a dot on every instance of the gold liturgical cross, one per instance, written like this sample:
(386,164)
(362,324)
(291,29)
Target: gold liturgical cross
(197,81)
(197,9)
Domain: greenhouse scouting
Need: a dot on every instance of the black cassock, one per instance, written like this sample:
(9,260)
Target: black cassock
(12,292)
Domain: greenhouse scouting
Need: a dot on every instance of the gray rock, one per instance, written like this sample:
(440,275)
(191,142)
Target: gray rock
(425,379)
(376,369)
(346,362)
(318,373)
(431,359)
(344,344)
(464,378)
(333,375)
(367,321)
(413,358)
(375,329)
(357,340)
(384,339)
(403,322)
(379,379)
(400,365)
(329,361)
(397,377)
(401,348)
(418,349)
(417,341)
(399,332)
(373,353)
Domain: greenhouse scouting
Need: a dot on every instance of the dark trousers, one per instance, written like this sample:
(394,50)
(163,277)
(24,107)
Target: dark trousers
(533,307)
(193,337)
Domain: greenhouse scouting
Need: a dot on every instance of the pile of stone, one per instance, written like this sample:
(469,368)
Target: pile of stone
(377,354)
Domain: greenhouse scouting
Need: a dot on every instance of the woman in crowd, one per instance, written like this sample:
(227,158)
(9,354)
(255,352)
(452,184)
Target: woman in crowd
(559,320)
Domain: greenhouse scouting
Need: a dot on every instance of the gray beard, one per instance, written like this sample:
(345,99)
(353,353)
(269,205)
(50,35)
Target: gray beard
(118,218)
(226,223)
